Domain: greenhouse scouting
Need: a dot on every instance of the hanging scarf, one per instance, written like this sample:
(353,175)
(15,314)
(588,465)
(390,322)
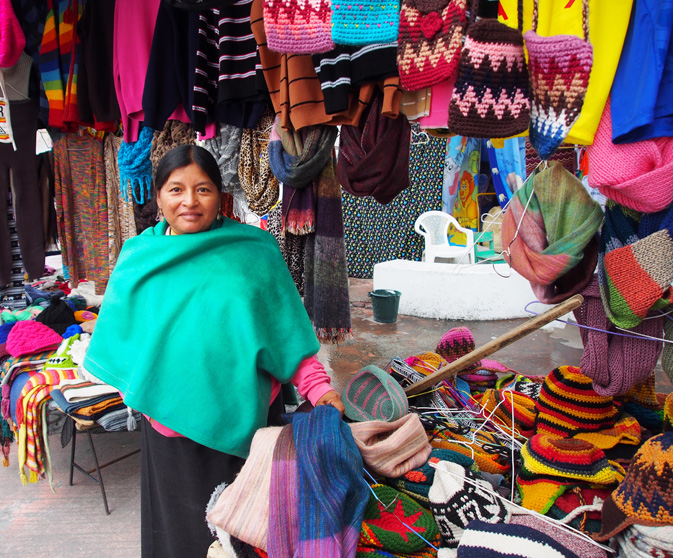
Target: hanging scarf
(135,166)
(615,363)
(207,360)
(258,182)
(296,159)
(325,270)
(635,263)
(553,237)
(374,156)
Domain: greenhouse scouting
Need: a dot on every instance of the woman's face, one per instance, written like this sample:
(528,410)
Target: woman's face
(189,200)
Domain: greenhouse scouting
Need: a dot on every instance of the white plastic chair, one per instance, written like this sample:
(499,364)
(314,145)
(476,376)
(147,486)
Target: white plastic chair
(434,227)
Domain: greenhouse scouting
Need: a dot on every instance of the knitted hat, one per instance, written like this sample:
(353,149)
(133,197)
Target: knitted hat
(487,540)
(620,171)
(568,458)
(393,448)
(559,68)
(28,337)
(430,40)
(365,22)
(508,404)
(373,394)
(568,404)
(668,413)
(456,343)
(625,431)
(527,385)
(645,392)
(12,38)
(298,27)
(417,482)
(490,96)
(539,493)
(645,496)
(242,510)
(58,316)
(391,521)
(644,541)
(459,496)
(475,444)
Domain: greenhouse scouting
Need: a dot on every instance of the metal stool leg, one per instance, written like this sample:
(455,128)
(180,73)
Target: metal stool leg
(100,475)
(72,452)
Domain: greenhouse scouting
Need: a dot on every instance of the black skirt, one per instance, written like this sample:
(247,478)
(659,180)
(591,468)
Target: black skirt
(177,478)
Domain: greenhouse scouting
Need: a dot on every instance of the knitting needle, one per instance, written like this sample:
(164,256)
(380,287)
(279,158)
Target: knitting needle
(533,324)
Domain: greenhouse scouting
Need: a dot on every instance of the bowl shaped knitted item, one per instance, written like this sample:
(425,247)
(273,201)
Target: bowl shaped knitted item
(372,394)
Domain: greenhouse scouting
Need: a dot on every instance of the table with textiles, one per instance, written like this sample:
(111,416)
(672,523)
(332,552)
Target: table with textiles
(491,463)
(41,350)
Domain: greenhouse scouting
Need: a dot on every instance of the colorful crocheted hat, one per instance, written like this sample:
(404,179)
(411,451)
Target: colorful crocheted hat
(393,448)
(372,394)
(528,385)
(456,343)
(625,431)
(296,27)
(490,97)
(568,404)
(619,171)
(668,413)
(390,522)
(365,22)
(645,496)
(417,482)
(487,540)
(430,40)
(459,496)
(501,405)
(28,337)
(559,68)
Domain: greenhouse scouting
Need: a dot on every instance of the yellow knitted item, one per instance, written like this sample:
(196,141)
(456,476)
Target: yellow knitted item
(472,447)
(625,431)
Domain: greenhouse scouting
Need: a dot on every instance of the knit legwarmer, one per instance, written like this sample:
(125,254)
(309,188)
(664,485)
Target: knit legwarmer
(615,363)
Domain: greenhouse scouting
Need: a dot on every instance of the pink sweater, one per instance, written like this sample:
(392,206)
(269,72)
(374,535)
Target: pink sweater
(311,381)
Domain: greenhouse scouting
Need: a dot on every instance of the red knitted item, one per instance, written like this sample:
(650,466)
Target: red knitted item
(298,27)
(430,39)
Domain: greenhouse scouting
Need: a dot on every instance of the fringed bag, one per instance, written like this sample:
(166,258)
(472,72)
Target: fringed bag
(430,40)
(559,69)
(490,98)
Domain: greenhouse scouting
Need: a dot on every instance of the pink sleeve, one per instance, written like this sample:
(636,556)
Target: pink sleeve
(312,380)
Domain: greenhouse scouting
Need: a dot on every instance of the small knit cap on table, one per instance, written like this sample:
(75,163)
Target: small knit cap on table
(636,175)
(391,520)
(487,540)
(298,26)
(430,41)
(28,337)
(456,343)
(366,22)
(552,245)
(568,404)
(645,496)
(417,482)
(459,496)
(645,541)
(373,394)
(393,448)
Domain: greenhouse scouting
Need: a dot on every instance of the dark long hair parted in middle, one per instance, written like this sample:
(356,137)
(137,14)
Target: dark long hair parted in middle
(183,156)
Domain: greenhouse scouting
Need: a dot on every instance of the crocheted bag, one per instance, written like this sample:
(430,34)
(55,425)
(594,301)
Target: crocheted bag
(559,69)
(298,26)
(490,98)
(366,22)
(430,39)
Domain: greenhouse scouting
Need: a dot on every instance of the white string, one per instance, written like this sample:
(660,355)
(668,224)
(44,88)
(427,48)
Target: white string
(572,531)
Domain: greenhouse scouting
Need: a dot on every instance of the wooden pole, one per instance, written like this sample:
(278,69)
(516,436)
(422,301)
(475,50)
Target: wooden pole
(533,324)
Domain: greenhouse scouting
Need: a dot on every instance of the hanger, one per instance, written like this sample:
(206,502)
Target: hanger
(419,137)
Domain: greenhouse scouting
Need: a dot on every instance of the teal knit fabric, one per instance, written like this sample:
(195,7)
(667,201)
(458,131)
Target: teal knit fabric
(365,22)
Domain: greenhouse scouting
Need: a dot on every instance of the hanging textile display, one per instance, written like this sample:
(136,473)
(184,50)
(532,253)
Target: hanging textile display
(559,69)
(370,238)
(12,293)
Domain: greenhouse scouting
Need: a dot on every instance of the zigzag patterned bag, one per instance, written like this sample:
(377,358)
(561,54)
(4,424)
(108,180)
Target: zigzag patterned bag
(490,98)
(430,39)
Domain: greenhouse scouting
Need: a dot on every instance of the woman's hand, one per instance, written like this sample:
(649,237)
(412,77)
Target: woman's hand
(333,398)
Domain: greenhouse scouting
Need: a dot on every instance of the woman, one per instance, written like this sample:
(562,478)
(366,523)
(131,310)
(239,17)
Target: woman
(200,325)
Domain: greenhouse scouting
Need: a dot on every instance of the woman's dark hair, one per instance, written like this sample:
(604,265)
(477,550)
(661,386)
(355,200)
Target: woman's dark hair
(183,156)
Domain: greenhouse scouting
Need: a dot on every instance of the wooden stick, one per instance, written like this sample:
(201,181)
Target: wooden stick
(533,324)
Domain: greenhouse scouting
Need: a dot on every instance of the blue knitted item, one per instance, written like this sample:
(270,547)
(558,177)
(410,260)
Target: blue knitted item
(365,22)
(4,331)
(135,166)
(332,493)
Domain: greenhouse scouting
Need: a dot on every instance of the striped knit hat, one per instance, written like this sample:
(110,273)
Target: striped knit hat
(297,27)
(366,22)
(568,404)
(372,394)
(430,39)
(394,448)
(487,540)
(391,521)
(645,496)
(490,97)
(507,403)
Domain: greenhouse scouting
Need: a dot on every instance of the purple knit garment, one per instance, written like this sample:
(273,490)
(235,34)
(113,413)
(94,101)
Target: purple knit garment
(283,498)
(615,363)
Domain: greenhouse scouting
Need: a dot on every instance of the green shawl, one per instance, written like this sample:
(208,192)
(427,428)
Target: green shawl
(193,326)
